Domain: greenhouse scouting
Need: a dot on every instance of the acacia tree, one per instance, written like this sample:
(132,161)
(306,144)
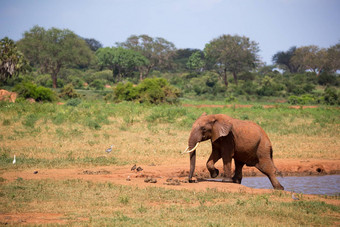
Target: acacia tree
(333,54)
(51,50)
(311,58)
(284,59)
(232,54)
(12,61)
(120,60)
(158,51)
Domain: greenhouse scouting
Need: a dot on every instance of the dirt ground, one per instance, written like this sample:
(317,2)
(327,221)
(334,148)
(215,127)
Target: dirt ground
(123,174)
(171,177)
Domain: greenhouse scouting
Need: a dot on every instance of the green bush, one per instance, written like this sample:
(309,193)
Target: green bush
(154,91)
(125,92)
(327,79)
(76,82)
(73,102)
(39,93)
(97,84)
(68,92)
(302,100)
(331,97)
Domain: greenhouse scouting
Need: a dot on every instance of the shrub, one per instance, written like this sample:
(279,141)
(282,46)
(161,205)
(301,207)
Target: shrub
(76,82)
(302,100)
(97,84)
(331,97)
(154,91)
(38,93)
(73,102)
(125,92)
(327,79)
(68,92)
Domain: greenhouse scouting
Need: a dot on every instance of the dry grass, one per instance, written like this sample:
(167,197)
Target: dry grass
(146,134)
(48,136)
(98,204)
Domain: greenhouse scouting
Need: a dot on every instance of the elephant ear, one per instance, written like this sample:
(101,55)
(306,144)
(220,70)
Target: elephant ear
(220,128)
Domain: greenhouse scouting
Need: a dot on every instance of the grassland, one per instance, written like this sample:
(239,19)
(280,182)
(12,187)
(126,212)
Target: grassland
(50,136)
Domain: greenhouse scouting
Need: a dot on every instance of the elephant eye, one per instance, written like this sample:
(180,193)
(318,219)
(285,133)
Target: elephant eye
(203,129)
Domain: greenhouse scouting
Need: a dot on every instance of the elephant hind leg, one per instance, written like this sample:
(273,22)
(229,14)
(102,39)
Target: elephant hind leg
(267,167)
(237,178)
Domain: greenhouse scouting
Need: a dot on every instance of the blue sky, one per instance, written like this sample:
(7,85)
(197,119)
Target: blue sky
(275,24)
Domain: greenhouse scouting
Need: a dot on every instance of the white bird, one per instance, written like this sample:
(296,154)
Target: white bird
(109,149)
(293,197)
(14,160)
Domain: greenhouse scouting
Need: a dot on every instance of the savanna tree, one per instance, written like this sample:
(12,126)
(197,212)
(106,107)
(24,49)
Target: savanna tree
(53,49)
(311,58)
(12,61)
(121,61)
(158,51)
(284,60)
(232,54)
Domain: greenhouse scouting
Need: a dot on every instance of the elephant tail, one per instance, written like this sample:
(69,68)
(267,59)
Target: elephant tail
(271,157)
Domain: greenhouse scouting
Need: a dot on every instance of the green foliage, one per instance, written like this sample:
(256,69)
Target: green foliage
(120,60)
(12,61)
(302,100)
(195,61)
(73,102)
(53,49)
(68,92)
(154,91)
(125,92)
(97,84)
(38,93)
(328,79)
(331,96)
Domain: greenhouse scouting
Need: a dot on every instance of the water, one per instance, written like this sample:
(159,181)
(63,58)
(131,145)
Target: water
(321,185)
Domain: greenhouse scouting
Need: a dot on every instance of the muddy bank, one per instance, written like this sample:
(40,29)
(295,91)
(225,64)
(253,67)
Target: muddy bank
(180,170)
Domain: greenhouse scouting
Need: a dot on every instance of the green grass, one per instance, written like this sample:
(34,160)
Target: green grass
(98,204)
(86,130)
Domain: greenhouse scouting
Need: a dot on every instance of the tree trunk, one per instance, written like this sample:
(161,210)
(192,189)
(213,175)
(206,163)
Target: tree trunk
(225,78)
(235,78)
(54,80)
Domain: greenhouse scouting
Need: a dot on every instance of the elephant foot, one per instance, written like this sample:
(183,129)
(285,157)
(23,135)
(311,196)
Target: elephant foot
(227,180)
(237,181)
(279,187)
(215,173)
(192,180)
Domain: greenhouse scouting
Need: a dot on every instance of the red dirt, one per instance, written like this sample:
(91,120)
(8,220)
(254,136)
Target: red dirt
(120,174)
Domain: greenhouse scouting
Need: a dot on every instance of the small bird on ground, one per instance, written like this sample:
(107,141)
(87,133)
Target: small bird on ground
(14,160)
(139,169)
(133,167)
(293,197)
(109,149)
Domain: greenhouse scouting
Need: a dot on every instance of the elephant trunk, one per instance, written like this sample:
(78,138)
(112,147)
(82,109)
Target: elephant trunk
(194,139)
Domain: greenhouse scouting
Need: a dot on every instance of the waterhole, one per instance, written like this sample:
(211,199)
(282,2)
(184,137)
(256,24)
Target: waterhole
(321,185)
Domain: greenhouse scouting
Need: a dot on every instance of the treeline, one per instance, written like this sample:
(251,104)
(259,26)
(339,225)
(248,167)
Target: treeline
(228,67)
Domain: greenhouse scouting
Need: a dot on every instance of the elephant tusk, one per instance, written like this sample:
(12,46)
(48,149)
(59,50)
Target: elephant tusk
(186,150)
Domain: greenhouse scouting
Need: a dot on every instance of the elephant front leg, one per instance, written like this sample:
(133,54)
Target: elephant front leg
(214,157)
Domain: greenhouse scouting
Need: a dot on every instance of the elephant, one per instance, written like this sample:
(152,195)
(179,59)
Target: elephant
(244,141)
